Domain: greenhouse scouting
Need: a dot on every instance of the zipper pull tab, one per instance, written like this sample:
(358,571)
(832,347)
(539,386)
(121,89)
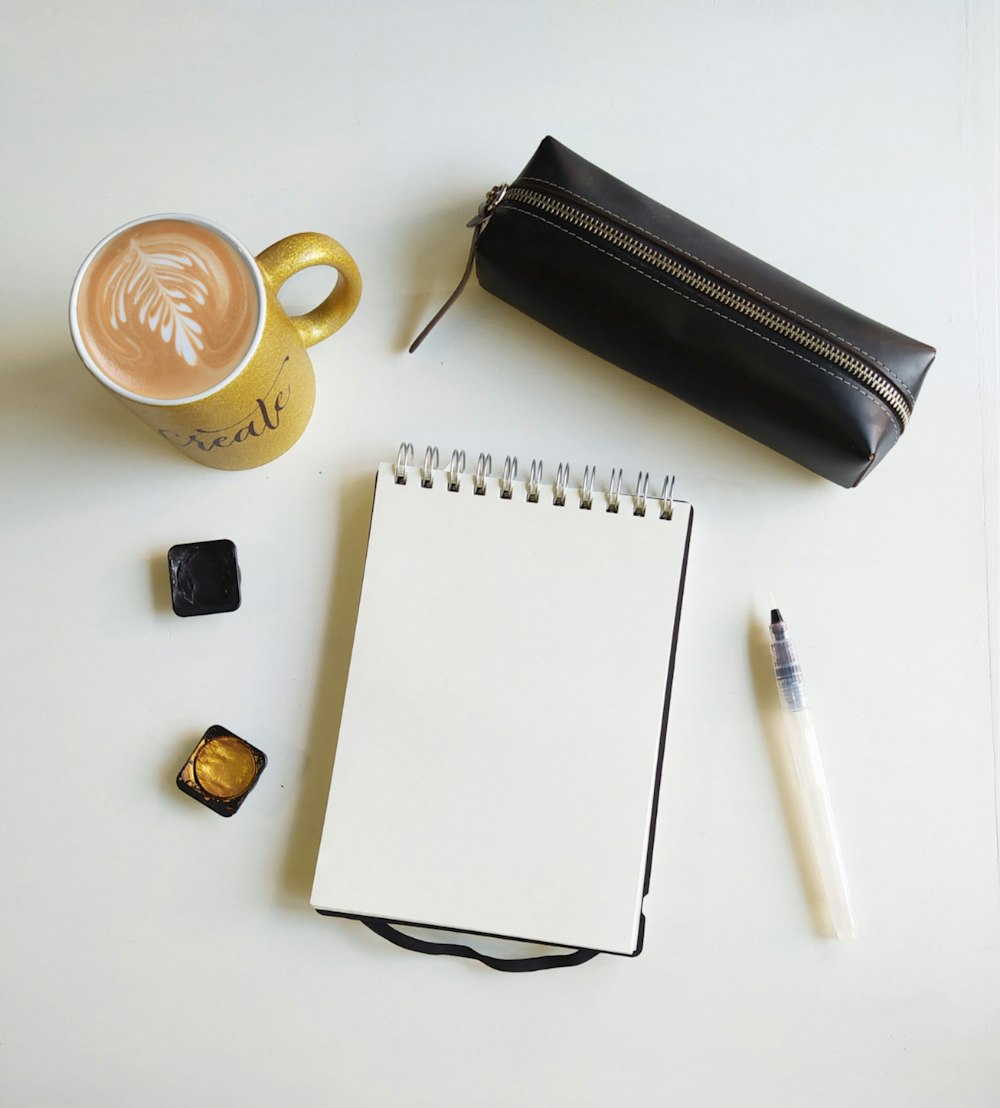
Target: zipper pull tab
(477,223)
(488,206)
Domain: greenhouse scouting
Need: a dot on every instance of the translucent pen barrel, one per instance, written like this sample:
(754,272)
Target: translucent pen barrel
(814,795)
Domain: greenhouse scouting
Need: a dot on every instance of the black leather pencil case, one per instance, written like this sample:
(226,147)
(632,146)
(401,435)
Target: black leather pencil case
(661,297)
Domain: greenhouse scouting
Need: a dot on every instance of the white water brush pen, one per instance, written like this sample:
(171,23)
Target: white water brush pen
(810,780)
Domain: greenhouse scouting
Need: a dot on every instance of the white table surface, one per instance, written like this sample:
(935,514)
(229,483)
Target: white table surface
(155,954)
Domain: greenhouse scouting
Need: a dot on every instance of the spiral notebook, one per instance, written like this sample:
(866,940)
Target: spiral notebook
(498,764)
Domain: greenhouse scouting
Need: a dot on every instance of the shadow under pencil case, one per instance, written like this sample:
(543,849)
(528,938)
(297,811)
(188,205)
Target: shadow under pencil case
(661,297)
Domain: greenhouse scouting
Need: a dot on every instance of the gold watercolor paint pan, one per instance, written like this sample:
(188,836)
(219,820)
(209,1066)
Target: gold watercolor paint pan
(221,771)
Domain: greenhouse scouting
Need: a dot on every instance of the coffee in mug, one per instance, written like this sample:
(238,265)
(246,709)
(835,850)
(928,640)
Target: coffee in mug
(174,316)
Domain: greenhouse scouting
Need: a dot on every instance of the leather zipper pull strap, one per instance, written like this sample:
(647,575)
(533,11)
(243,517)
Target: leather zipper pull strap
(477,223)
(455,295)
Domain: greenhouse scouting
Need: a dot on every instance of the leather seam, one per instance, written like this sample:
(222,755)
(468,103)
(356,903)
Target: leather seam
(649,277)
(729,277)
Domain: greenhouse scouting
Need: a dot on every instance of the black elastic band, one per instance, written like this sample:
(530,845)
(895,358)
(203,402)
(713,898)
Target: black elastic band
(385,929)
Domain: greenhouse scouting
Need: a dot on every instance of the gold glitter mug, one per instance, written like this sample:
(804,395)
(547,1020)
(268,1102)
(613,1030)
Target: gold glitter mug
(174,316)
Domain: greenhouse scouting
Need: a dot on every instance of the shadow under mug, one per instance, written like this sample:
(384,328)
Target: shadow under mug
(263,405)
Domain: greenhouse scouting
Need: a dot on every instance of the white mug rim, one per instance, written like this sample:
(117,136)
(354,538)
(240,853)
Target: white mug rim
(154,401)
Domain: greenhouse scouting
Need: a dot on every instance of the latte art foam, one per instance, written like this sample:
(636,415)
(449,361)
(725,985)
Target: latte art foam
(167,309)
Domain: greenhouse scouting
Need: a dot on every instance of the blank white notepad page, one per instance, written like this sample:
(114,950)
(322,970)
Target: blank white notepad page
(498,749)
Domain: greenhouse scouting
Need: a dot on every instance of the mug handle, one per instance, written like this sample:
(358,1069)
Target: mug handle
(279,262)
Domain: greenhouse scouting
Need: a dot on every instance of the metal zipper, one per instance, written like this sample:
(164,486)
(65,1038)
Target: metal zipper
(576,213)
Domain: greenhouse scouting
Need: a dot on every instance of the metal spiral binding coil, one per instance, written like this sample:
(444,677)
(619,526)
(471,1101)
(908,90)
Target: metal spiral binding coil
(667,498)
(484,467)
(431,458)
(456,467)
(533,478)
(614,490)
(508,478)
(587,487)
(403,459)
(641,487)
(455,471)
(559,488)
